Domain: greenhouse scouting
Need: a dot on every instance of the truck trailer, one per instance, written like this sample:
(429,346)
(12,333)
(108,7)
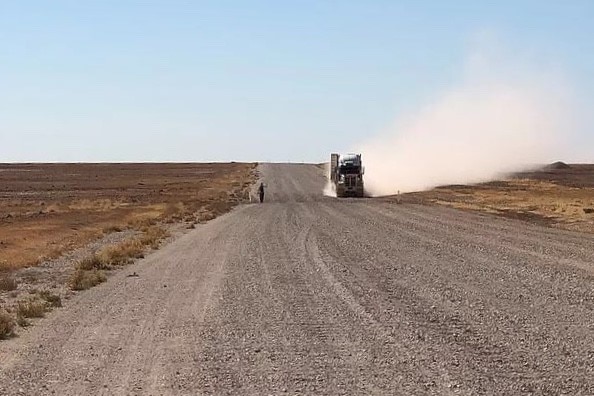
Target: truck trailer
(346,173)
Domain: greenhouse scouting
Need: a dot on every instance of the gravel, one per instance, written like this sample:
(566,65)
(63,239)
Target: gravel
(307,294)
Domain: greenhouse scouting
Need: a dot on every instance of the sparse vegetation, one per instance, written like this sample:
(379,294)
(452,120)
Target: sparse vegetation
(139,224)
(153,236)
(7,283)
(89,272)
(112,228)
(207,217)
(52,299)
(127,251)
(31,308)
(54,208)
(559,196)
(92,262)
(6,325)
(123,253)
(22,321)
(83,279)
(174,212)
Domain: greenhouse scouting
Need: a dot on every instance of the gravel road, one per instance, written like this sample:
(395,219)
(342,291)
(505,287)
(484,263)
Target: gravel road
(307,294)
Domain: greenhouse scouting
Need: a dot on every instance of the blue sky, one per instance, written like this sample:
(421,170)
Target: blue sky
(249,80)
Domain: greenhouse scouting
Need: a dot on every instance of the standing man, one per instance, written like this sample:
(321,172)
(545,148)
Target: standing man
(261,192)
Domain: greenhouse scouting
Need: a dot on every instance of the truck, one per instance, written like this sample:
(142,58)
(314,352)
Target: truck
(346,174)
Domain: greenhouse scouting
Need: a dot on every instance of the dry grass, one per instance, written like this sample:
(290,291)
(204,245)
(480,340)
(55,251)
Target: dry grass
(7,283)
(36,306)
(48,209)
(174,212)
(549,202)
(89,272)
(6,325)
(21,321)
(32,308)
(127,251)
(53,300)
(93,262)
(83,279)
(564,206)
(112,228)
(153,236)
(123,253)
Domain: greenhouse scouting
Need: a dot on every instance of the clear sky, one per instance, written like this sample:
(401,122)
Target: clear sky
(170,80)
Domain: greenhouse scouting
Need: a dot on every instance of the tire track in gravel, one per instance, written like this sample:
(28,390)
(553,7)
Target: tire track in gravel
(481,224)
(530,318)
(405,306)
(111,338)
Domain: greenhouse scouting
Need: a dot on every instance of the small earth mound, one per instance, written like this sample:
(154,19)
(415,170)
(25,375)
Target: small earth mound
(557,165)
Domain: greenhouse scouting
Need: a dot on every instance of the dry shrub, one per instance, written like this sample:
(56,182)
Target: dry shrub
(82,279)
(174,212)
(52,299)
(112,228)
(92,262)
(22,321)
(6,325)
(139,224)
(152,236)
(207,216)
(127,251)
(93,204)
(7,283)
(32,308)
(123,253)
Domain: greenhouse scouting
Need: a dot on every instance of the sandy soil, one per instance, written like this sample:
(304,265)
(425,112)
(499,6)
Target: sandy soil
(311,295)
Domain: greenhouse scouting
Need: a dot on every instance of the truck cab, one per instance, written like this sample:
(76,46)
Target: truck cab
(346,173)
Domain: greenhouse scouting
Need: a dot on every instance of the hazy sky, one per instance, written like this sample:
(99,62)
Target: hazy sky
(250,80)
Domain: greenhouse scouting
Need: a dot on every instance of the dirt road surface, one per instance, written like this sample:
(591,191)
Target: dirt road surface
(307,294)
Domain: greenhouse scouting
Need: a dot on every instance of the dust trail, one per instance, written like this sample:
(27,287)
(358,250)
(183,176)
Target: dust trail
(501,118)
(329,188)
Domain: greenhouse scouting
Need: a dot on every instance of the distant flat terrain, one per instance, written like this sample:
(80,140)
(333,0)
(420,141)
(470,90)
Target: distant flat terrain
(306,294)
(47,209)
(560,195)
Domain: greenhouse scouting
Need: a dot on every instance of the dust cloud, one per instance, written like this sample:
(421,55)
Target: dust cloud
(500,118)
(329,188)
